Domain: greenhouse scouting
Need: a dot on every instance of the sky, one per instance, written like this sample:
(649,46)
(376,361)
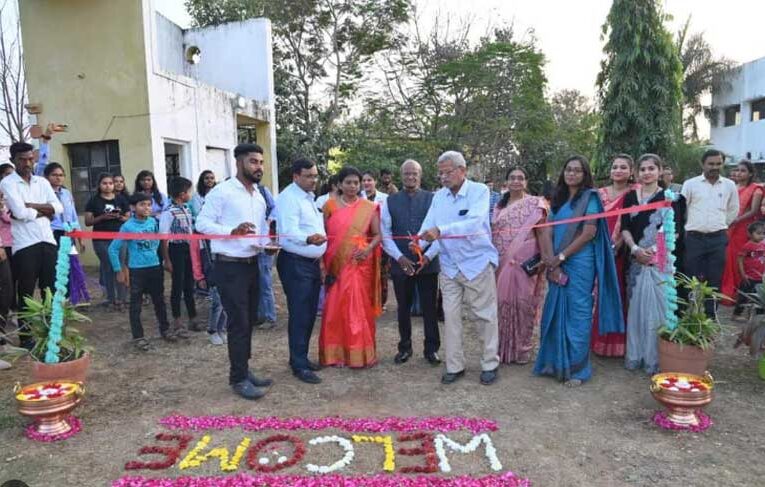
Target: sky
(568,31)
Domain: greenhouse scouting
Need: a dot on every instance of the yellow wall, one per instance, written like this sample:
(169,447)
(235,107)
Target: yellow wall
(85,62)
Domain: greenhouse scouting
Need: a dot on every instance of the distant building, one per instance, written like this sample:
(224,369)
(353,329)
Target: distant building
(738,114)
(138,92)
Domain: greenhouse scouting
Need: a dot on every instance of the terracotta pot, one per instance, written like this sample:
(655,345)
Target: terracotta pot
(683,358)
(75,371)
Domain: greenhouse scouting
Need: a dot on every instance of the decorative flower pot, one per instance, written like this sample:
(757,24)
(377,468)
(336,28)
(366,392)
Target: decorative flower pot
(683,358)
(74,371)
(682,395)
(49,404)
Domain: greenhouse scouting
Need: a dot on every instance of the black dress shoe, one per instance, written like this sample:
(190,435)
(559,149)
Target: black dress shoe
(247,390)
(313,366)
(307,376)
(489,377)
(258,382)
(402,357)
(433,358)
(451,378)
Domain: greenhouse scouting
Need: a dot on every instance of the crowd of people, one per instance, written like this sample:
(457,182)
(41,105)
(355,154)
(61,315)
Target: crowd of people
(514,261)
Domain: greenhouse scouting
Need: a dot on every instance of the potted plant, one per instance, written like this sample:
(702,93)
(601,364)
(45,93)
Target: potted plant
(753,332)
(74,354)
(689,346)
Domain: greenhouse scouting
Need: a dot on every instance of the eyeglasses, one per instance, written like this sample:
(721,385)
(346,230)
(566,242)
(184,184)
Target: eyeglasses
(446,174)
(574,170)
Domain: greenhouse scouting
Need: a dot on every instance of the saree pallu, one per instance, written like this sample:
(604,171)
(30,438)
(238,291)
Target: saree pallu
(567,316)
(352,301)
(613,344)
(519,297)
(737,238)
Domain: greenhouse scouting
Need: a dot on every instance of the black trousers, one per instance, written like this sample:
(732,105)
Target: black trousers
(239,292)
(182,280)
(705,259)
(14,301)
(301,280)
(33,267)
(427,287)
(151,281)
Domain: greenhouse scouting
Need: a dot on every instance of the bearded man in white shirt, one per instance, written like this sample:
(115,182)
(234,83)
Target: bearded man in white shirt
(236,207)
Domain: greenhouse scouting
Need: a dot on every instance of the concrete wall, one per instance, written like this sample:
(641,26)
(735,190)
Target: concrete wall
(85,62)
(747,85)
(195,105)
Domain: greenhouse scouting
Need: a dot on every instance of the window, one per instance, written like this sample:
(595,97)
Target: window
(758,110)
(89,160)
(732,115)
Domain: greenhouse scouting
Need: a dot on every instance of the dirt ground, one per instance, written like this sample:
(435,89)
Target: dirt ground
(596,435)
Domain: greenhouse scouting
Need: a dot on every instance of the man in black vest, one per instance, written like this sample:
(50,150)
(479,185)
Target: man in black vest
(402,214)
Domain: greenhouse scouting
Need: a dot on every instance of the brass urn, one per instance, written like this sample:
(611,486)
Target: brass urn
(49,404)
(682,395)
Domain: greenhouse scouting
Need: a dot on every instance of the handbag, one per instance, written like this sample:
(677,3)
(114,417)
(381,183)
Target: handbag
(533,265)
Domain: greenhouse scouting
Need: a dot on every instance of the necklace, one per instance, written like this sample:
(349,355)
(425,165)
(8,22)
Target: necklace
(346,202)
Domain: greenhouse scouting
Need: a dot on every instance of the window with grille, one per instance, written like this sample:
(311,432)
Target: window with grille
(88,161)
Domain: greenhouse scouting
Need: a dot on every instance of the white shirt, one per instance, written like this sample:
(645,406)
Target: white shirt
(379,197)
(28,227)
(389,245)
(298,217)
(228,205)
(711,207)
(466,213)
(322,200)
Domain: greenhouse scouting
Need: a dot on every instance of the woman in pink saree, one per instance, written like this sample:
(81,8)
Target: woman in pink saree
(352,264)
(519,295)
(612,197)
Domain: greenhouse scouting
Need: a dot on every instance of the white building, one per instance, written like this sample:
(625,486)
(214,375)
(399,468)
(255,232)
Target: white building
(738,114)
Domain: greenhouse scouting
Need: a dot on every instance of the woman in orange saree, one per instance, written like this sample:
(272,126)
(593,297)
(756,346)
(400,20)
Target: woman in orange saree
(352,264)
(749,198)
(612,197)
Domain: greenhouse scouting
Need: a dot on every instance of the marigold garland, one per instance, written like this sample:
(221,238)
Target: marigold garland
(171,453)
(507,479)
(32,433)
(389,464)
(297,454)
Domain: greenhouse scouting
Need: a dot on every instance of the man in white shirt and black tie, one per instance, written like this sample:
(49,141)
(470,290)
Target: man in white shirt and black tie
(712,203)
(303,244)
(236,207)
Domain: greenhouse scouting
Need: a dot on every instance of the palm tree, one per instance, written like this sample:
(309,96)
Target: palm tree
(703,73)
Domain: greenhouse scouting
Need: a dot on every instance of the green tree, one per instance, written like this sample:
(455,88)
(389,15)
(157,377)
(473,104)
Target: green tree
(703,72)
(640,83)
(576,127)
(321,50)
(441,93)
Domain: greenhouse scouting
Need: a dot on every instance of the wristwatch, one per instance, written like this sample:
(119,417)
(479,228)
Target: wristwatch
(562,257)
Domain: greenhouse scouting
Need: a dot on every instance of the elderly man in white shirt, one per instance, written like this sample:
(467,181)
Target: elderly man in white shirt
(712,204)
(303,243)
(236,207)
(32,204)
(461,208)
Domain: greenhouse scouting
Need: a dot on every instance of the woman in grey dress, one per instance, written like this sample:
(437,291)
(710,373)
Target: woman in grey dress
(649,270)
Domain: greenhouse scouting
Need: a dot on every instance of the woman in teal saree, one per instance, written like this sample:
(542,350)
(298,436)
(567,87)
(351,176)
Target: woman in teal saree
(578,256)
